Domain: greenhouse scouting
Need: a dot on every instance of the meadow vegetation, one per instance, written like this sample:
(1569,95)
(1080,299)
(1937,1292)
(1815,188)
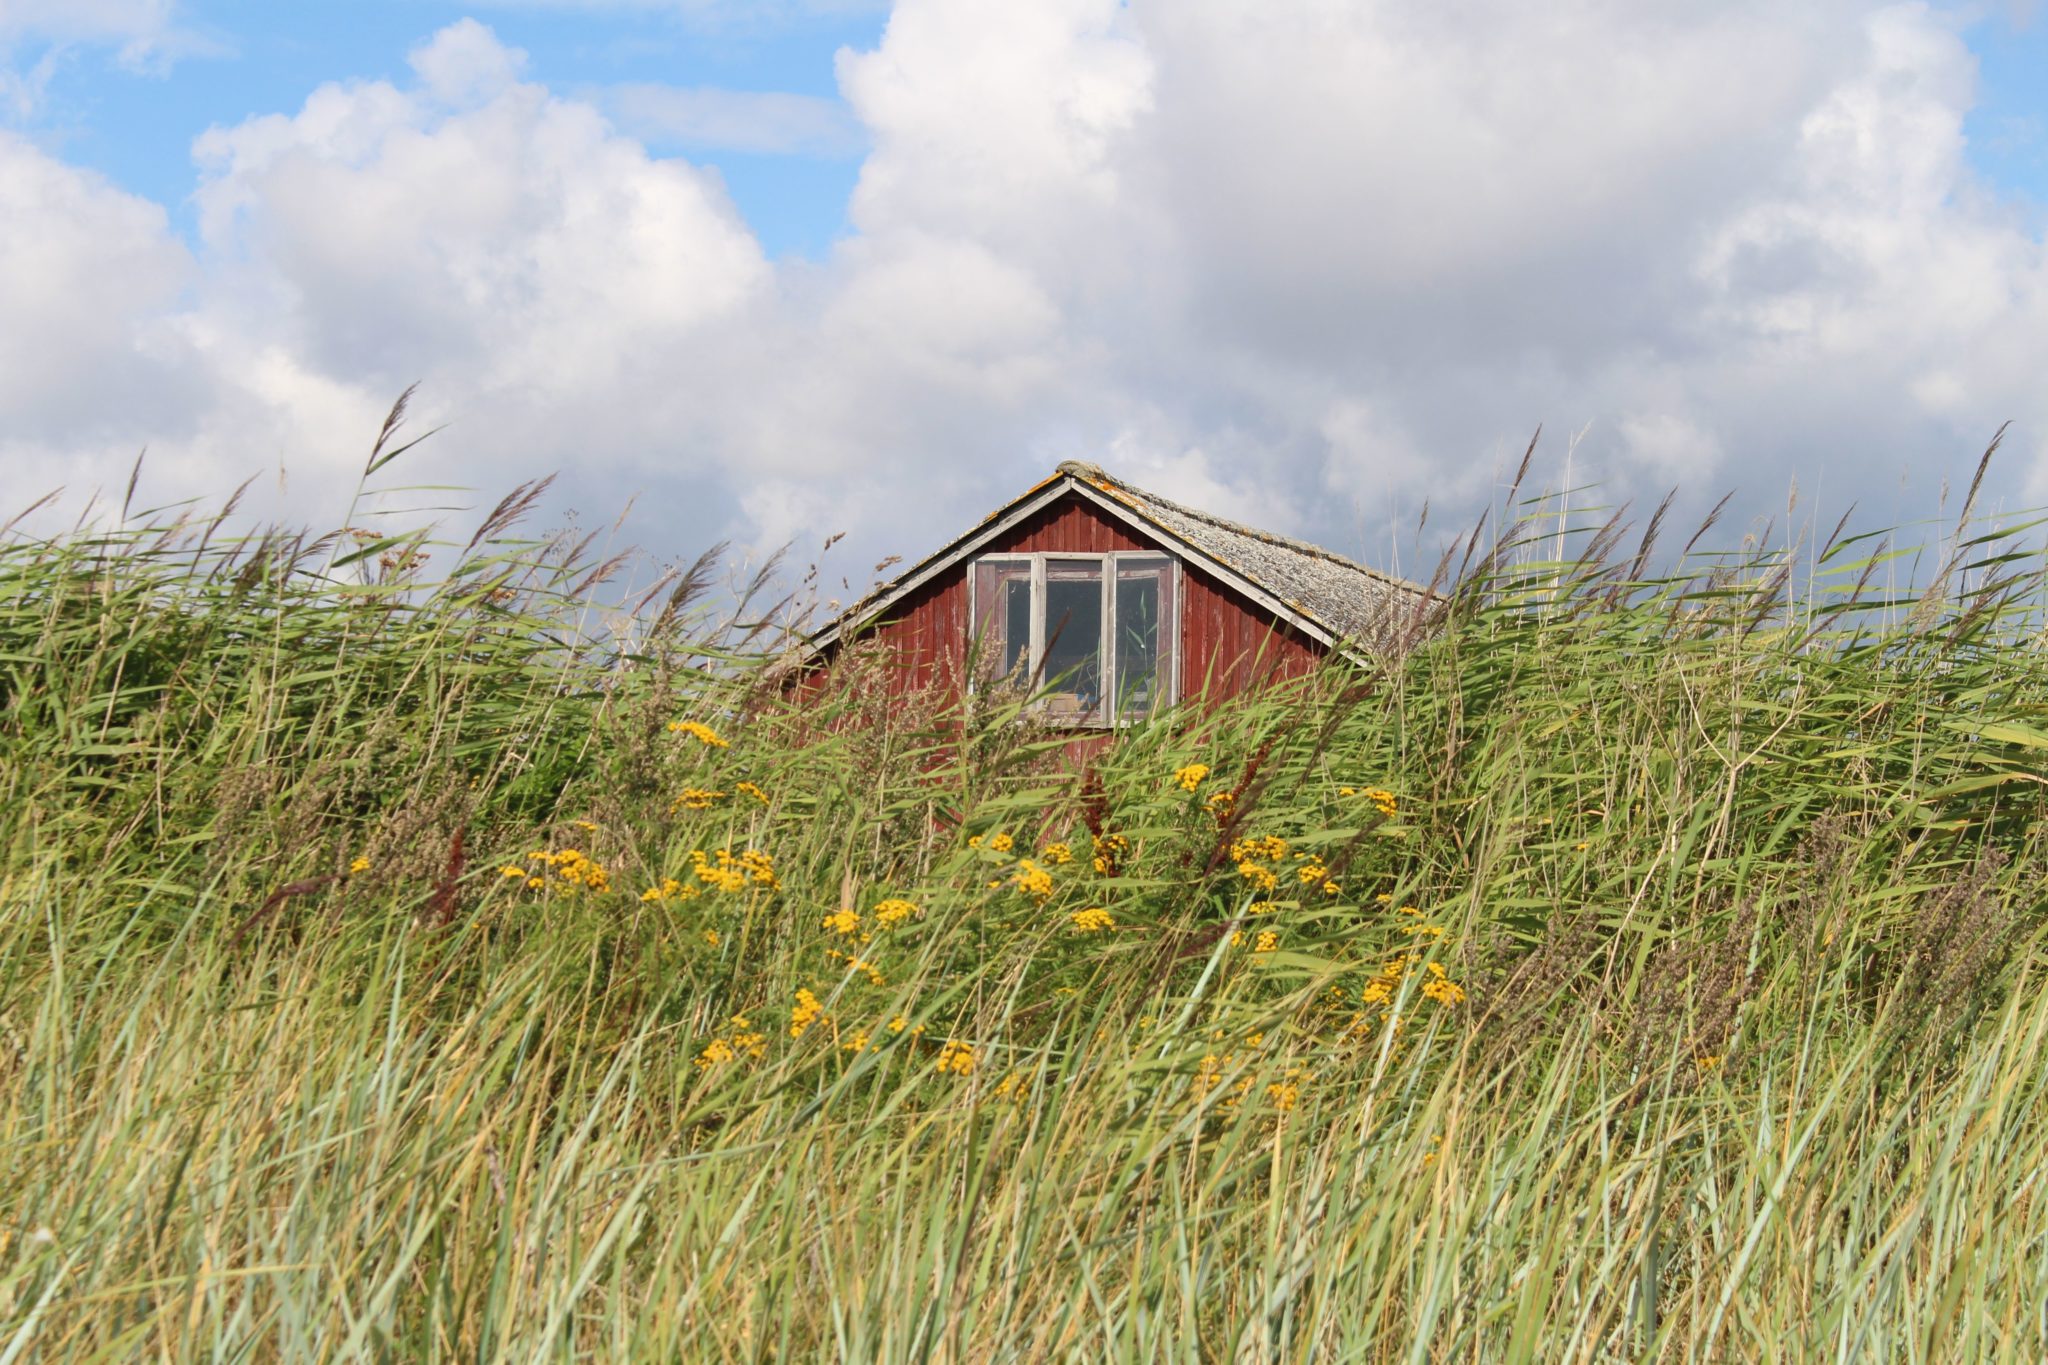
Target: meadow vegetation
(418,949)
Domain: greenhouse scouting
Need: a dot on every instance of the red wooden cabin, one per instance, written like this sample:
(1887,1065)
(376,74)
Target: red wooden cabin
(1112,602)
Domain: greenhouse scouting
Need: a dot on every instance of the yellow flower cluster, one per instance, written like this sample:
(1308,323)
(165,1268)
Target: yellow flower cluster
(994,843)
(957,1058)
(1033,880)
(696,798)
(698,731)
(1191,776)
(359,865)
(843,922)
(1092,919)
(806,1012)
(670,890)
(1269,848)
(893,911)
(727,871)
(855,964)
(1285,1093)
(744,1041)
(1059,855)
(749,789)
(1253,855)
(1265,941)
(1221,804)
(1436,985)
(1440,988)
(1380,990)
(1110,851)
(577,872)
(1382,799)
(1315,872)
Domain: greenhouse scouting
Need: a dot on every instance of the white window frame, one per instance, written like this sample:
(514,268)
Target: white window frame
(1106,562)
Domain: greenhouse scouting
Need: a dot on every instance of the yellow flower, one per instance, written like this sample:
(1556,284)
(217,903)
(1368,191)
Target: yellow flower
(1191,776)
(1441,988)
(711,937)
(1092,919)
(1259,875)
(511,872)
(749,789)
(1059,855)
(696,798)
(1314,872)
(1110,850)
(857,1041)
(893,911)
(1001,843)
(359,865)
(1268,941)
(1221,804)
(698,731)
(584,825)
(957,1058)
(1269,848)
(843,922)
(854,964)
(724,871)
(1033,880)
(806,1012)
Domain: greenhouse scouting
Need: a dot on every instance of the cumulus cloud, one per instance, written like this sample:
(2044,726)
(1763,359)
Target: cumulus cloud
(1311,264)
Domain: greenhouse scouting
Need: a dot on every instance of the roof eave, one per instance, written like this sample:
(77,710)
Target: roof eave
(1035,499)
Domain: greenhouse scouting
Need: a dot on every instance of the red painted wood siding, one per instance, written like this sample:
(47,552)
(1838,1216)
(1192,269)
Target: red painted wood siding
(1227,642)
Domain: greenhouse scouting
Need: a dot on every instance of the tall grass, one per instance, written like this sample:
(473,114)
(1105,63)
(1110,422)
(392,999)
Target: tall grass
(1651,968)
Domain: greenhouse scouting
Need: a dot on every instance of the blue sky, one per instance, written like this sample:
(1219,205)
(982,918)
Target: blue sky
(2008,130)
(790,268)
(251,57)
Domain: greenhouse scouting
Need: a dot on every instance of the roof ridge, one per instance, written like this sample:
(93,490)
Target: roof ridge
(1094,473)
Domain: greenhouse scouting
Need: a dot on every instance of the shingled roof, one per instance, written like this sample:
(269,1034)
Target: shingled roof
(1348,600)
(1328,597)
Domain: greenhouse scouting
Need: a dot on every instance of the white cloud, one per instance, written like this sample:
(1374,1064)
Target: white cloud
(1310,264)
(144,35)
(88,276)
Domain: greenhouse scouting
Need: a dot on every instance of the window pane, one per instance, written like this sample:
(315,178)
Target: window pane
(1002,604)
(1073,637)
(1144,635)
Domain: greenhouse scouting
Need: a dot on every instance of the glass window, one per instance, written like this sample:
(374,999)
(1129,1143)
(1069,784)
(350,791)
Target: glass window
(1095,633)
(1144,634)
(1002,597)
(1072,671)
